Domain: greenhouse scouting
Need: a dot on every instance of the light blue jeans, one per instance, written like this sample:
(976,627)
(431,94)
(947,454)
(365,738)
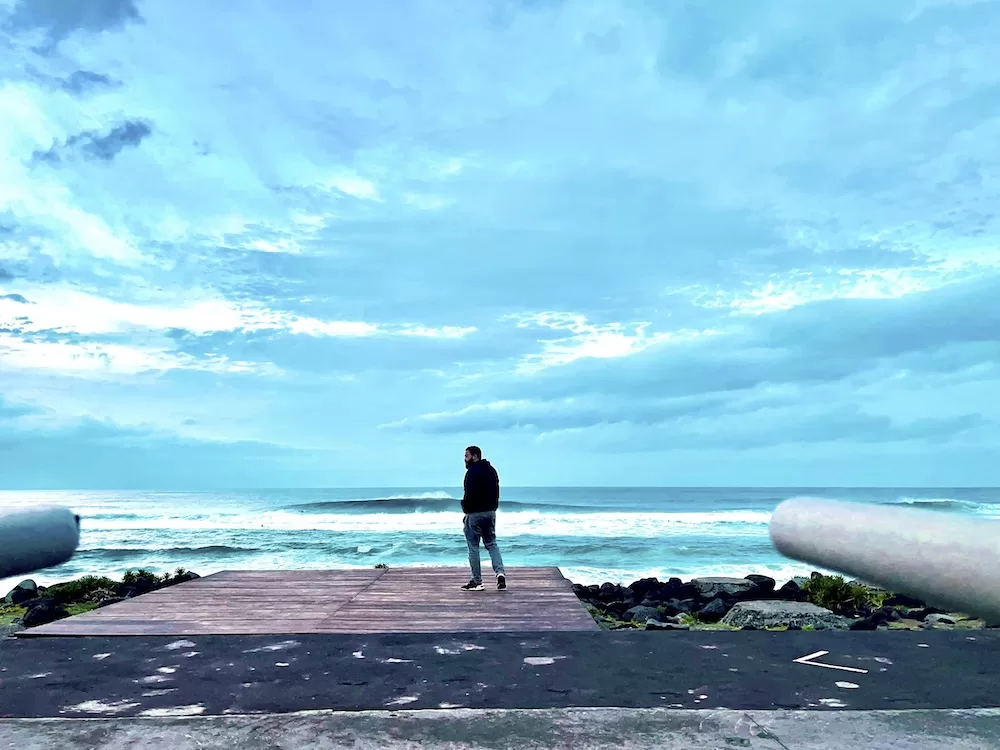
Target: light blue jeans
(482,526)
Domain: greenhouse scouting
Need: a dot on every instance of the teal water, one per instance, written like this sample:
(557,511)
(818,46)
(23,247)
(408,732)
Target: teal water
(592,534)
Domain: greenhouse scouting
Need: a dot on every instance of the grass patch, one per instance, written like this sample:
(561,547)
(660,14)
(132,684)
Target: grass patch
(9,613)
(720,626)
(79,609)
(838,595)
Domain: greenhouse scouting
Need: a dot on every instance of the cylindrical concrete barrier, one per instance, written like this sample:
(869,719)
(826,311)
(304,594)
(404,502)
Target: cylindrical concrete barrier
(36,538)
(944,559)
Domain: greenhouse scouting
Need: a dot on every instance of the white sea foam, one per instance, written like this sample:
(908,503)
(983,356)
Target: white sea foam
(511,523)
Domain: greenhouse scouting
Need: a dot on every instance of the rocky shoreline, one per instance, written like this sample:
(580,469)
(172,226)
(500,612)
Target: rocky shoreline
(817,602)
(28,605)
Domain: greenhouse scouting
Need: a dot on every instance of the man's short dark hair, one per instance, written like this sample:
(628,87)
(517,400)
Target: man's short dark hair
(475,452)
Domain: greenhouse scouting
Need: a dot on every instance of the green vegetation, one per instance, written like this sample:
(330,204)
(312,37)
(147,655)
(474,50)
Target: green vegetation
(9,613)
(79,609)
(841,596)
(714,626)
(84,594)
(691,619)
(80,590)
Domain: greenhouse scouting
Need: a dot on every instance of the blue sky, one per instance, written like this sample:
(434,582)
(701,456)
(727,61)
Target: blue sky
(614,243)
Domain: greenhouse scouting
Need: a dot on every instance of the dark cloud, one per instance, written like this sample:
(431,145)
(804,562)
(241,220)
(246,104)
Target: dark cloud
(943,331)
(364,354)
(813,343)
(10,410)
(840,426)
(61,18)
(14,297)
(576,413)
(92,145)
(83,81)
(5,273)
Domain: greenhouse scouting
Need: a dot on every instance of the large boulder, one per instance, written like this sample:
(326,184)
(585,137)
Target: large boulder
(644,588)
(940,619)
(42,612)
(791,591)
(876,619)
(22,592)
(8,631)
(610,592)
(710,588)
(674,607)
(770,613)
(657,625)
(904,600)
(714,611)
(641,614)
(764,584)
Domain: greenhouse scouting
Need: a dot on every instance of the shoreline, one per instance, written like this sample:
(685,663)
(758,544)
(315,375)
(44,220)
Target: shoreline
(753,602)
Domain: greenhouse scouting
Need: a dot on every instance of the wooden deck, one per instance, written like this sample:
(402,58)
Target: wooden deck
(398,600)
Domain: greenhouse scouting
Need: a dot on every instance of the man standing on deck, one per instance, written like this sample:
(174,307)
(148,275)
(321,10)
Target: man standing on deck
(479,504)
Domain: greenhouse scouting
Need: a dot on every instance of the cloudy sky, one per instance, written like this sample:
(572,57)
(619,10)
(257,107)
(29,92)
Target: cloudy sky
(614,242)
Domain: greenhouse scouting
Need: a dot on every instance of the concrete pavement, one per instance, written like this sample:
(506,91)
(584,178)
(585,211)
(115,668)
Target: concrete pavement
(748,671)
(551,729)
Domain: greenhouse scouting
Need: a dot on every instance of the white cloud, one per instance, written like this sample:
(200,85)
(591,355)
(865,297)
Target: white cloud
(495,216)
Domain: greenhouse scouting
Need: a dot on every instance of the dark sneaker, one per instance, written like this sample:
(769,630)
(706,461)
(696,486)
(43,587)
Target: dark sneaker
(472,586)
(501,583)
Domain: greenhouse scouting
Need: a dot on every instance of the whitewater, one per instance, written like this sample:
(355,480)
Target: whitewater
(592,534)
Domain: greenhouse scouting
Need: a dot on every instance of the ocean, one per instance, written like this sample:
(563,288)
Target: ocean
(592,534)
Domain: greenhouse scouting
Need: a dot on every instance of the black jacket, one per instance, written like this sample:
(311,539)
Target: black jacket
(482,488)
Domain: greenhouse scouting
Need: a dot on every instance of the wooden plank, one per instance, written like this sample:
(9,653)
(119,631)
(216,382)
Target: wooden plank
(400,600)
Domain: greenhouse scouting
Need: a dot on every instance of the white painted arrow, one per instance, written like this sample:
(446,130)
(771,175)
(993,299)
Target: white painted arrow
(808,659)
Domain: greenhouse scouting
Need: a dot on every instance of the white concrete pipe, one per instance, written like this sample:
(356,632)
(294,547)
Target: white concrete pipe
(945,559)
(36,538)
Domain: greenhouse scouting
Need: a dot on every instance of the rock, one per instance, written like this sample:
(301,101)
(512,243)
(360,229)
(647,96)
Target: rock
(709,588)
(22,592)
(902,600)
(674,607)
(642,588)
(125,591)
(714,611)
(876,619)
(42,612)
(867,623)
(109,601)
(656,625)
(610,592)
(937,619)
(7,631)
(641,614)
(763,584)
(100,595)
(791,591)
(773,613)
(922,613)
